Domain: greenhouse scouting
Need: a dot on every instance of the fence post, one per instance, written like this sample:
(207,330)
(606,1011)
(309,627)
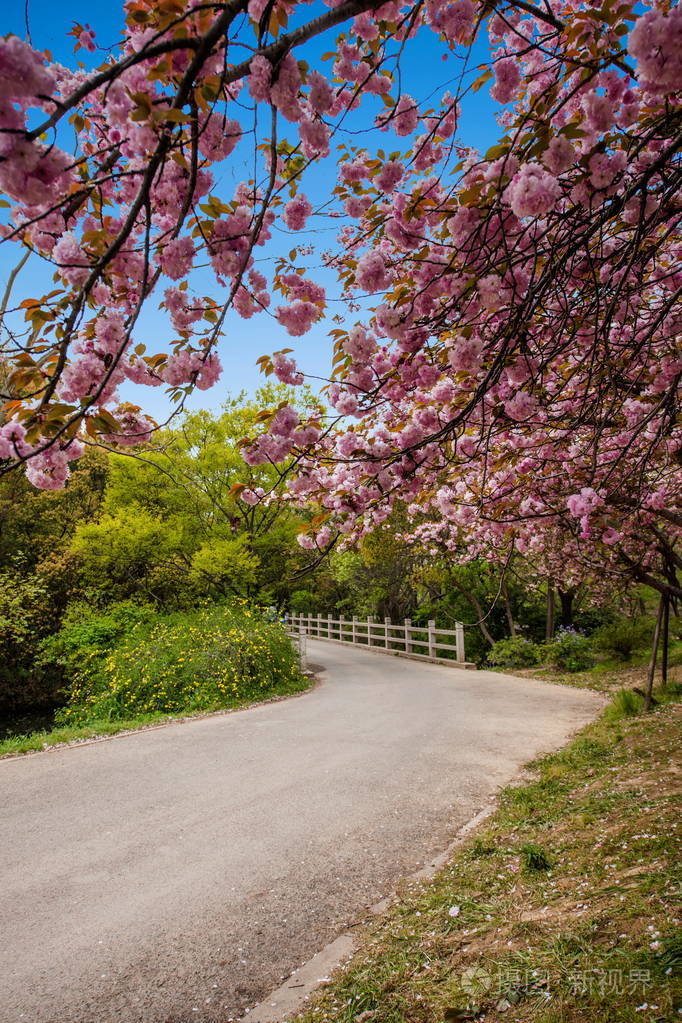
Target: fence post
(370,619)
(459,642)
(301,648)
(355,629)
(432,639)
(319,626)
(341,628)
(408,635)
(329,626)
(387,622)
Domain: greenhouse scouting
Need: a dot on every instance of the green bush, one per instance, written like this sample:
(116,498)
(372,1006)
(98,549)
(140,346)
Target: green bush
(514,653)
(26,615)
(622,638)
(303,602)
(216,657)
(570,650)
(87,635)
(625,704)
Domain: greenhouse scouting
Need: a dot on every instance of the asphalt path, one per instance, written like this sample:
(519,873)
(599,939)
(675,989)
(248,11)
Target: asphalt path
(179,874)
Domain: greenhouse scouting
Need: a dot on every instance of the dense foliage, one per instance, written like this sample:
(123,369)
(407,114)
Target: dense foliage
(101,582)
(131,537)
(514,653)
(570,650)
(622,638)
(132,541)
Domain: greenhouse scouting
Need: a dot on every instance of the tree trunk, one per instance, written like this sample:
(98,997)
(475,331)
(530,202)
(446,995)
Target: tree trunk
(549,625)
(654,653)
(508,610)
(567,597)
(664,641)
(476,604)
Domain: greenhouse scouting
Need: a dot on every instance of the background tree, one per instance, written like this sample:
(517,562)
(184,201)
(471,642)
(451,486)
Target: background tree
(176,524)
(39,575)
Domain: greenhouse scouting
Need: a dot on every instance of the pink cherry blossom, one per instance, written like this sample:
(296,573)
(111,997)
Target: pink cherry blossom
(260,78)
(533,191)
(86,38)
(405,116)
(372,274)
(656,45)
(296,213)
(507,80)
(12,440)
(321,94)
(298,317)
(390,175)
(513,388)
(176,258)
(285,370)
(23,75)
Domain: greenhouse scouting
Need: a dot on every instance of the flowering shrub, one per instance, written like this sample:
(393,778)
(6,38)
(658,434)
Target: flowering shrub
(514,653)
(215,657)
(570,650)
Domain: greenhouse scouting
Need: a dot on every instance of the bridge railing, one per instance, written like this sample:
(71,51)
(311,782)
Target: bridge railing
(425,642)
(298,637)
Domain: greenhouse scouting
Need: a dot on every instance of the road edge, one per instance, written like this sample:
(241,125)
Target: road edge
(290,997)
(316,681)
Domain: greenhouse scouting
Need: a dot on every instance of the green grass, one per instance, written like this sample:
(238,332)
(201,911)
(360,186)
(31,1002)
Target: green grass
(567,899)
(534,857)
(62,734)
(57,736)
(625,704)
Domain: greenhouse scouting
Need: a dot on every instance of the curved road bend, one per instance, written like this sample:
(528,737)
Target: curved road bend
(177,875)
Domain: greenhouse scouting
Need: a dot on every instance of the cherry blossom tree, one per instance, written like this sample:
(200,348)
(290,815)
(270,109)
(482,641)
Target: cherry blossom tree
(513,379)
(516,383)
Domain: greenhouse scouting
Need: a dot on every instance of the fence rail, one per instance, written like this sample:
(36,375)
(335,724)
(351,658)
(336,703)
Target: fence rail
(420,641)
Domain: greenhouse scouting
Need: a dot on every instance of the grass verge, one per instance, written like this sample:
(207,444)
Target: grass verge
(64,735)
(608,675)
(562,909)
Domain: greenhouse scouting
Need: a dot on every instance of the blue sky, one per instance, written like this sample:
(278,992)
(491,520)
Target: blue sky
(423,73)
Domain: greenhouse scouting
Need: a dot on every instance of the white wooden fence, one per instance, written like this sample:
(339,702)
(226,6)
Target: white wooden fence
(425,642)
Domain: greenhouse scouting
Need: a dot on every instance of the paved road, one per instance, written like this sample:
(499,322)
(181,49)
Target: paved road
(177,875)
